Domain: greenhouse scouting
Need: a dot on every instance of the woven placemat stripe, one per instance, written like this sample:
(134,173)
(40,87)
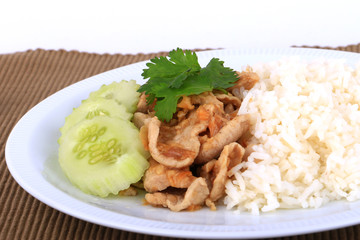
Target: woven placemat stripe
(349,48)
(26,78)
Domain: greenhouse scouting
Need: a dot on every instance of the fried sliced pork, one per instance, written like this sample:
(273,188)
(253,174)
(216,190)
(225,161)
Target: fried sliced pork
(159,177)
(206,98)
(142,105)
(193,198)
(247,79)
(140,119)
(231,132)
(231,103)
(215,171)
(204,134)
(175,146)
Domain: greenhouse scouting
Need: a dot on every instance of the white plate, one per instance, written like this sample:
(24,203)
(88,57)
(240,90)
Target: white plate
(31,155)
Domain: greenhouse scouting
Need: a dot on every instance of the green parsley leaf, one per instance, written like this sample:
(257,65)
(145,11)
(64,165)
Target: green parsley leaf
(220,77)
(179,75)
(176,68)
(166,107)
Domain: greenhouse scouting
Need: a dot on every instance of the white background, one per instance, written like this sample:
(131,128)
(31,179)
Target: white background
(150,26)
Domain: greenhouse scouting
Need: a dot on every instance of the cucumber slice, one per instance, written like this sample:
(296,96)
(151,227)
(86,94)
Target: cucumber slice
(124,93)
(103,155)
(91,109)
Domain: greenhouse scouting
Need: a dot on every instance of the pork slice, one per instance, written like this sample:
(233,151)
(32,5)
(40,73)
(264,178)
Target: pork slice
(215,171)
(205,171)
(230,157)
(194,197)
(140,119)
(161,199)
(175,146)
(231,132)
(231,103)
(247,79)
(206,98)
(159,177)
(186,103)
(143,106)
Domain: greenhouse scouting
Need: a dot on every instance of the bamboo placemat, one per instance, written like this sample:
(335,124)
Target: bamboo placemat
(26,78)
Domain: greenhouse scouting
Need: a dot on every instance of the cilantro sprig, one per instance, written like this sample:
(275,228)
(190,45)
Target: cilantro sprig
(179,74)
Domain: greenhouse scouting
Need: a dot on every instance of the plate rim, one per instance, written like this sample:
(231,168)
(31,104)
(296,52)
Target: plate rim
(13,137)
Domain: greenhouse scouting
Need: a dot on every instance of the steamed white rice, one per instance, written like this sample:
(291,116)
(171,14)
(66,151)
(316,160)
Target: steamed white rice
(306,137)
